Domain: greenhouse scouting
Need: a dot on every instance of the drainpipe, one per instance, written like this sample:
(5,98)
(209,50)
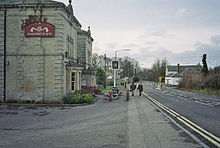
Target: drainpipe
(5,55)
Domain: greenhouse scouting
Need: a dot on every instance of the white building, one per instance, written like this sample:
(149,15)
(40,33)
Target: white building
(174,72)
(172,79)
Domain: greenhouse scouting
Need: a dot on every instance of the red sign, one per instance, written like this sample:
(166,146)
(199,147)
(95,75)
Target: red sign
(115,64)
(40,29)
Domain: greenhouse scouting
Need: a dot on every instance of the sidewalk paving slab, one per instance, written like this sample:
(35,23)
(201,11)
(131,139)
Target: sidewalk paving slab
(150,128)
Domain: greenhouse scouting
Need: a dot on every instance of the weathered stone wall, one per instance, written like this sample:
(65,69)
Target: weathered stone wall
(85,52)
(81,48)
(1,54)
(89,51)
(88,79)
(36,69)
(85,49)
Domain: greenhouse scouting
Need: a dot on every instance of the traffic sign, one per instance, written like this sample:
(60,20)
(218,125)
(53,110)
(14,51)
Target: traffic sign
(115,64)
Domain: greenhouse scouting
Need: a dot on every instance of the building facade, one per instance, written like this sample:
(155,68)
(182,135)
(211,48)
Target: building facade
(174,72)
(42,58)
(85,52)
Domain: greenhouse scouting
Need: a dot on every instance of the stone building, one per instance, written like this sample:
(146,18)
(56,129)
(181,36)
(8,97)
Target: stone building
(85,52)
(48,54)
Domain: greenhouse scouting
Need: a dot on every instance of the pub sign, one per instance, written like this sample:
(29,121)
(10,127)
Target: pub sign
(40,29)
(115,64)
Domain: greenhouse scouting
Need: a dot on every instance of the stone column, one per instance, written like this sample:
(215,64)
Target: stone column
(77,80)
(80,80)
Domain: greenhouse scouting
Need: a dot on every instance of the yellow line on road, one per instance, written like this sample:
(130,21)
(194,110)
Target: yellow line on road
(212,138)
(208,133)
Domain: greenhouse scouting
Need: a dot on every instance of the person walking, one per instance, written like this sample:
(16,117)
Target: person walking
(132,88)
(140,88)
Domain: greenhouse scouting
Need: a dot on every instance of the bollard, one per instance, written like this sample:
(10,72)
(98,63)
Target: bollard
(110,96)
(127,95)
(161,87)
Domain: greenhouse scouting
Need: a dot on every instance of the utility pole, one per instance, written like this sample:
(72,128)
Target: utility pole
(115,70)
(105,71)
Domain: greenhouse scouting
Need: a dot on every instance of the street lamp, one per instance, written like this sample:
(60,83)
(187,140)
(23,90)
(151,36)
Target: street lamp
(115,60)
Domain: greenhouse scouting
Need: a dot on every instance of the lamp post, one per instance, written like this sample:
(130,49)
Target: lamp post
(117,69)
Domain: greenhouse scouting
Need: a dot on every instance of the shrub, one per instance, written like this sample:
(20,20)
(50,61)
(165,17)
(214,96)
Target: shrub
(78,99)
(100,76)
(135,79)
(199,81)
(88,98)
(110,83)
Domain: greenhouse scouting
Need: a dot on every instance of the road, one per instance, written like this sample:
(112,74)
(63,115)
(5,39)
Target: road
(204,110)
(117,124)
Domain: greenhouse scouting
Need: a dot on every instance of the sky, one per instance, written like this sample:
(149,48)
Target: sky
(179,30)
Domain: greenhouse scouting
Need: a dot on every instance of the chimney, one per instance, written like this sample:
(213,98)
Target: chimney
(178,68)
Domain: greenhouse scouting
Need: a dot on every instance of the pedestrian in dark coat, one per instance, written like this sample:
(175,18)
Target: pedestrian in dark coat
(132,88)
(140,88)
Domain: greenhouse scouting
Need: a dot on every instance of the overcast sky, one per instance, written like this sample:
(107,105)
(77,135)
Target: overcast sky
(178,30)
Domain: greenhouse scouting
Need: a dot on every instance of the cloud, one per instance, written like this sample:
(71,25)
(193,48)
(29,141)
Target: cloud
(150,42)
(147,53)
(215,39)
(112,45)
(156,33)
(194,57)
(181,12)
(159,33)
(130,45)
(148,56)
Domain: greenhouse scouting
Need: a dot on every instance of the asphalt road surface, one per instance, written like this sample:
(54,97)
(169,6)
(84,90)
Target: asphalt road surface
(117,124)
(204,110)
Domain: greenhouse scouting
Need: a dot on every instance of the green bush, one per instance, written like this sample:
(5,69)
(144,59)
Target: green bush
(135,79)
(88,98)
(110,83)
(78,99)
(100,76)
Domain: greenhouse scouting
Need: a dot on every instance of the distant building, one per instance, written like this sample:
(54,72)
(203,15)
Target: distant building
(172,79)
(48,54)
(174,72)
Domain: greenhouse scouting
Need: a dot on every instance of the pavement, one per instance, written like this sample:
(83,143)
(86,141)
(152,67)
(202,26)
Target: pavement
(118,124)
(150,128)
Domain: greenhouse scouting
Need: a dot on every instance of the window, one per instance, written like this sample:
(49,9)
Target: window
(73,81)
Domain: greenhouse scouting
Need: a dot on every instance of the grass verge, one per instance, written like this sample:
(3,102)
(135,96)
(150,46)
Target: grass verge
(106,90)
(204,91)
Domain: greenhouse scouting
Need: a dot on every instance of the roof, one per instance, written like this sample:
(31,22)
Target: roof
(17,3)
(29,2)
(87,33)
(184,68)
(176,75)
